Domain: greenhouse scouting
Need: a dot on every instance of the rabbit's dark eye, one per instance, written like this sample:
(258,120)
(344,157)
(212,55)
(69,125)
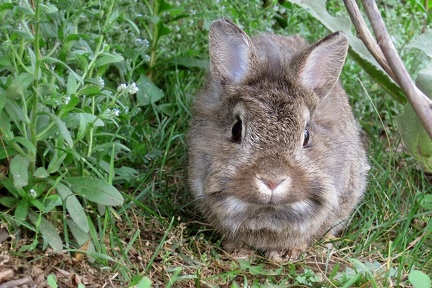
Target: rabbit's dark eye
(236,131)
(306,137)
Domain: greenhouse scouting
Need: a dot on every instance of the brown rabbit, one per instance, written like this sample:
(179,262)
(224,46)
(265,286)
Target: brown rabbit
(275,156)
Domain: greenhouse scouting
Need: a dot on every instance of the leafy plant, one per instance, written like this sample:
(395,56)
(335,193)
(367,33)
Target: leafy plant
(58,119)
(415,137)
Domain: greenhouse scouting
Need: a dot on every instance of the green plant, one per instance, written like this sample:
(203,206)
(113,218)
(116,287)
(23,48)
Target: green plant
(140,149)
(58,119)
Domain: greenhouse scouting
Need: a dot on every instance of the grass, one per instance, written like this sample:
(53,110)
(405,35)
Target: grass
(156,238)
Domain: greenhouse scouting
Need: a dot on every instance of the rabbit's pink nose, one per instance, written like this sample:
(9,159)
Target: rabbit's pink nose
(272,184)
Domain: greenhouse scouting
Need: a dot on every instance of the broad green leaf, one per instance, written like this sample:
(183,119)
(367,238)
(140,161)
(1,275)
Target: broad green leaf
(72,85)
(89,90)
(51,202)
(414,136)
(132,24)
(112,18)
(9,152)
(78,233)
(56,161)
(163,29)
(419,279)
(95,190)
(148,92)
(6,6)
(82,61)
(358,51)
(16,113)
(41,173)
(52,281)
(50,60)
(24,142)
(253,269)
(426,202)
(145,282)
(422,42)
(32,57)
(2,100)
(73,206)
(424,79)
(8,184)
(108,58)
(5,126)
(8,202)
(163,6)
(21,210)
(81,238)
(48,8)
(19,85)
(19,170)
(74,120)
(48,231)
(63,129)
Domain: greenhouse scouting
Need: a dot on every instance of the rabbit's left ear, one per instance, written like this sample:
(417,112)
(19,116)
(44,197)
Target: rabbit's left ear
(320,66)
(230,52)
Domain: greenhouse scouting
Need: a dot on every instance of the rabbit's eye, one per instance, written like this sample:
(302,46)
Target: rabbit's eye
(306,137)
(236,131)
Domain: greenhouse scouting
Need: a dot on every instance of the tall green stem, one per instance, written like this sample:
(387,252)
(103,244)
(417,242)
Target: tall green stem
(35,99)
(155,39)
(92,66)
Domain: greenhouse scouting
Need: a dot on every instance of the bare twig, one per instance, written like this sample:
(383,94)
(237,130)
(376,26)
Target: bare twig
(421,103)
(366,37)
(389,59)
(15,283)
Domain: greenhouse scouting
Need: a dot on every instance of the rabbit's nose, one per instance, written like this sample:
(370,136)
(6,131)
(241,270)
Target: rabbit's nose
(272,184)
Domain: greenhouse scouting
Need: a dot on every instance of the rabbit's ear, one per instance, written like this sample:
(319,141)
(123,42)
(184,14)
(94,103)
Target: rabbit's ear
(230,52)
(320,67)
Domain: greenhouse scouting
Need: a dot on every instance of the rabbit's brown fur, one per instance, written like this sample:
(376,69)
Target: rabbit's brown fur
(255,180)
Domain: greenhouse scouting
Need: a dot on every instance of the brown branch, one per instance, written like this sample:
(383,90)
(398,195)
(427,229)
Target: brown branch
(19,282)
(421,103)
(366,37)
(388,58)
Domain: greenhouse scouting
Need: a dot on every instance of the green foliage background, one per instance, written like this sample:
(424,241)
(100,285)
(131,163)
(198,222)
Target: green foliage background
(94,107)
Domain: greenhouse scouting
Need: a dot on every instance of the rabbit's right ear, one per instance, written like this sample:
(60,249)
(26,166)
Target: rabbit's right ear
(231,52)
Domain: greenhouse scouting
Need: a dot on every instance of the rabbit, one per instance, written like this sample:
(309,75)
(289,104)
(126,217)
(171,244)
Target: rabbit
(275,159)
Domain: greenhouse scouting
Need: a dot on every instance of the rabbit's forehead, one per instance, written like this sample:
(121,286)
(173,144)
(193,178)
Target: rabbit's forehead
(268,110)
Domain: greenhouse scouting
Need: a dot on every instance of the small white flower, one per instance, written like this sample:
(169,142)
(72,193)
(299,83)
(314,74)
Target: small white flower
(133,89)
(146,58)
(66,99)
(139,41)
(146,43)
(116,112)
(33,193)
(122,88)
(101,82)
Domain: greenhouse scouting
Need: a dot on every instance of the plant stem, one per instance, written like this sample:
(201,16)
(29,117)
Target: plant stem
(91,68)
(35,102)
(155,39)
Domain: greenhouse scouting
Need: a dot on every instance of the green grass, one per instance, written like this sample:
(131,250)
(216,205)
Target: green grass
(52,60)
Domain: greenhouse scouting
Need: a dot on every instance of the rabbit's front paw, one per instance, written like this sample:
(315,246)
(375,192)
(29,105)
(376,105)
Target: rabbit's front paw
(279,256)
